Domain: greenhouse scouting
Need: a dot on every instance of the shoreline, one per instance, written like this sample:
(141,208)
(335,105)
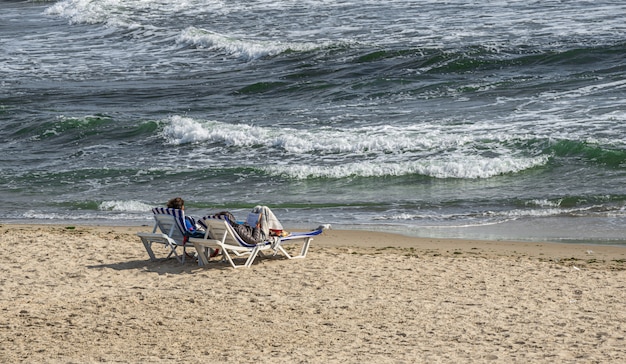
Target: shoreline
(368,240)
(579,231)
(90,294)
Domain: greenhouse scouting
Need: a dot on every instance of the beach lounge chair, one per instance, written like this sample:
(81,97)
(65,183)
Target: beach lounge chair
(221,235)
(173,233)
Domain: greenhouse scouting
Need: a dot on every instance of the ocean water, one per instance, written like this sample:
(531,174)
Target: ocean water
(470,119)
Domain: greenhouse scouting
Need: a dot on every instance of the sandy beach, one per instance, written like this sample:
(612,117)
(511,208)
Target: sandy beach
(86,294)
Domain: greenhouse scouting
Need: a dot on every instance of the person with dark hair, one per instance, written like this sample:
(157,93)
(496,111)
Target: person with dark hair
(179,203)
(176,203)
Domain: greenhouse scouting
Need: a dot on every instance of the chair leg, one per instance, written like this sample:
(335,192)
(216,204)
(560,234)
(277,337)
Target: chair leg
(148,245)
(303,250)
(230,259)
(175,253)
(253,255)
(202,254)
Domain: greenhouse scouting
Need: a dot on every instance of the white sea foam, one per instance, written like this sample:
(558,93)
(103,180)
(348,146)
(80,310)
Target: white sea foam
(460,167)
(87,11)
(122,13)
(359,140)
(248,49)
(124,206)
(182,130)
(544,203)
(396,21)
(477,218)
(132,217)
(144,17)
(117,210)
(366,151)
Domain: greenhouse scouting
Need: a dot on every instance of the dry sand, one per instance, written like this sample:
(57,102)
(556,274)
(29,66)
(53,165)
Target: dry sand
(90,294)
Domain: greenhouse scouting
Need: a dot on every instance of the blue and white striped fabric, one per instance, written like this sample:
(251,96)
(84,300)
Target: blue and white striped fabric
(173,232)
(181,231)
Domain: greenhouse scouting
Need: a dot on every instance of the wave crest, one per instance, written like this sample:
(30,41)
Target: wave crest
(373,151)
(463,168)
(241,48)
(124,206)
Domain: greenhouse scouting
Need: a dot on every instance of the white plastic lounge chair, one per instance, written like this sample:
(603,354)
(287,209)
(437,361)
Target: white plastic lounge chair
(221,235)
(171,223)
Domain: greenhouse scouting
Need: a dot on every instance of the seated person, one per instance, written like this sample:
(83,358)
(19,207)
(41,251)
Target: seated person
(190,222)
(259,226)
(249,234)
